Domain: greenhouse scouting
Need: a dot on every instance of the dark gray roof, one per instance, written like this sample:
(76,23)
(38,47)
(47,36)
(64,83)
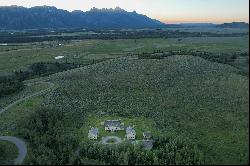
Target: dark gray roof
(130,130)
(147,134)
(113,123)
(94,131)
(148,145)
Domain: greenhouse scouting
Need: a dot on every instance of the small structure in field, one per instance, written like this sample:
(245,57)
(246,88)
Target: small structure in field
(148,144)
(93,133)
(130,133)
(59,57)
(113,125)
(147,135)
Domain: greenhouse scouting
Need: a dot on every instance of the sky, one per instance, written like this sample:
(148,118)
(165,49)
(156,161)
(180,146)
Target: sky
(168,11)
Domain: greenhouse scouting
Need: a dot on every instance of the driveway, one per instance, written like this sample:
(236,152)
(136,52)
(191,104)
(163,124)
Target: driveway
(106,139)
(22,149)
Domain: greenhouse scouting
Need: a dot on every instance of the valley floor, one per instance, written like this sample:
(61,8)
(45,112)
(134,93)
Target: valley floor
(188,101)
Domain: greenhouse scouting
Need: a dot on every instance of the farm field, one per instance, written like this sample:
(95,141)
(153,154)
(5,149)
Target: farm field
(196,108)
(84,52)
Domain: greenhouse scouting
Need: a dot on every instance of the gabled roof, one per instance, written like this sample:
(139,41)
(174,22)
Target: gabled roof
(113,123)
(130,130)
(148,145)
(147,134)
(94,131)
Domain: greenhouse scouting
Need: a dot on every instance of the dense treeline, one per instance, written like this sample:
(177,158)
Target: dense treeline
(43,69)
(14,83)
(217,57)
(3,154)
(49,143)
(107,35)
(10,85)
(226,58)
(54,143)
(8,152)
(167,151)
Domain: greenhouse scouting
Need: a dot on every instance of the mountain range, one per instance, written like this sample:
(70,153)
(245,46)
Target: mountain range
(234,25)
(16,17)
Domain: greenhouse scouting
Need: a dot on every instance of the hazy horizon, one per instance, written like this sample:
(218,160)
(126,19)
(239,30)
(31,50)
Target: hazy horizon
(167,11)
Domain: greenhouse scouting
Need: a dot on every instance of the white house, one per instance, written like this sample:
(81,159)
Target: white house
(130,133)
(113,125)
(93,133)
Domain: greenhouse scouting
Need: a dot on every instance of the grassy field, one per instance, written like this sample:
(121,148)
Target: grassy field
(28,90)
(9,153)
(84,52)
(182,95)
(204,101)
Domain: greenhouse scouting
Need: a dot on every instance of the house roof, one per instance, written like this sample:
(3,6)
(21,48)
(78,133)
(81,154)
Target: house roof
(113,123)
(147,134)
(94,131)
(130,130)
(148,145)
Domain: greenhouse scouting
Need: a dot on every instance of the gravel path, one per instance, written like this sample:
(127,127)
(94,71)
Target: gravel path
(106,139)
(20,145)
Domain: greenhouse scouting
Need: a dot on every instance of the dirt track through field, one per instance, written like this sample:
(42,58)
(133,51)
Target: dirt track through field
(26,98)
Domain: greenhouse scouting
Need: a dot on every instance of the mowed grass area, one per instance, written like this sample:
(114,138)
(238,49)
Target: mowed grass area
(9,152)
(203,101)
(84,52)
(141,124)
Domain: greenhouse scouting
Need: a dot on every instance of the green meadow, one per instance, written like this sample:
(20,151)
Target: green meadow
(84,52)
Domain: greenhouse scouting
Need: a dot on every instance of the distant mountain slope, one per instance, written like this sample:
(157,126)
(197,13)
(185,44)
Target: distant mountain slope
(15,17)
(234,25)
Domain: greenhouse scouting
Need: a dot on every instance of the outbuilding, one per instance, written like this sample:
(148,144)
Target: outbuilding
(93,133)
